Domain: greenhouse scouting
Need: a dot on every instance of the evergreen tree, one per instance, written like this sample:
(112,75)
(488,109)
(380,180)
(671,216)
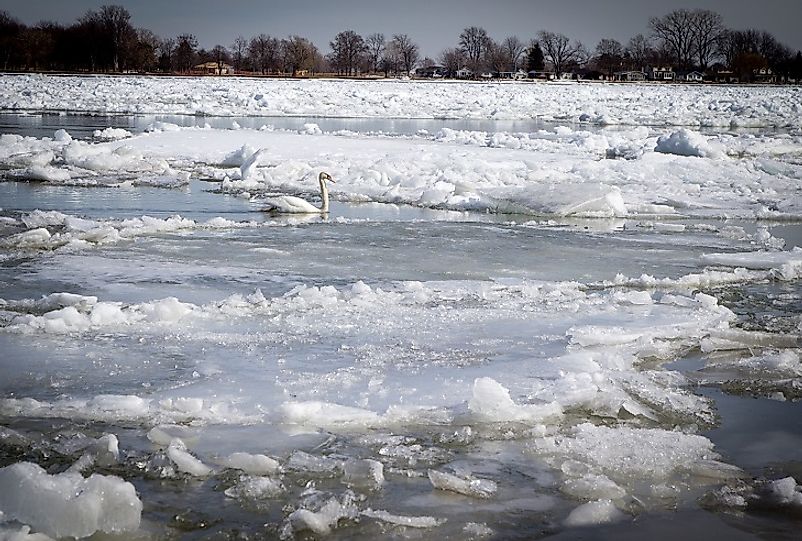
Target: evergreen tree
(534,58)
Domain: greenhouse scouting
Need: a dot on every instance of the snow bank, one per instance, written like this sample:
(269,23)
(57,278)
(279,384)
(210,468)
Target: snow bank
(76,507)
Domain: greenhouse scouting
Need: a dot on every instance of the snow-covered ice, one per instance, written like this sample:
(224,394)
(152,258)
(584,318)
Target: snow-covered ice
(727,106)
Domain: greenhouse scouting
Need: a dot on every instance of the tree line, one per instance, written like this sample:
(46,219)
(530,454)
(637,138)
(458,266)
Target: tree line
(106,41)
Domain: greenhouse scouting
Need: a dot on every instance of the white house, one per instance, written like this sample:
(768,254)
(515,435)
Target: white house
(629,76)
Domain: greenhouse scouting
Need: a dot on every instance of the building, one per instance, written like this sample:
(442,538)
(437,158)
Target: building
(633,76)
(431,72)
(691,77)
(662,73)
(212,68)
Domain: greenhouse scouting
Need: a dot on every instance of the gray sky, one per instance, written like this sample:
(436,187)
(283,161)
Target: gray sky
(433,24)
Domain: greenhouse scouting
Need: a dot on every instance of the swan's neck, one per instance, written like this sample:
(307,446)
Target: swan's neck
(324,196)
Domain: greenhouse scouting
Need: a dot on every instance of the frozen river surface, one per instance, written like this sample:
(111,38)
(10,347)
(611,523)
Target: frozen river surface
(500,330)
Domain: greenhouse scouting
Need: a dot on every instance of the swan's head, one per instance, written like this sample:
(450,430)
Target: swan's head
(325,176)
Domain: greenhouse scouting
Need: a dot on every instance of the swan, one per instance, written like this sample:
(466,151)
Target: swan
(289,204)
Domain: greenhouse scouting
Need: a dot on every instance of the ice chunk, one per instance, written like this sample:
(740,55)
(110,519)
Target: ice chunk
(75,507)
(304,462)
(734,339)
(48,173)
(684,142)
(238,157)
(324,414)
(491,402)
(364,472)
(255,488)
(253,464)
(782,492)
(163,435)
(184,461)
(103,451)
(322,521)
(21,534)
(592,513)
(111,134)
(625,454)
(594,487)
(477,529)
(411,522)
(476,488)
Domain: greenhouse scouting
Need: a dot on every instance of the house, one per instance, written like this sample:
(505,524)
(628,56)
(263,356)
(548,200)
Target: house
(519,75)
(763,75)
(633,76)
(662,73)
(547,75)
(464,73)
(691,77)
(431,72)
(212,68)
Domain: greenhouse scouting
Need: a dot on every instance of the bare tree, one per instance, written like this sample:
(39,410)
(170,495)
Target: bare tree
(473,42)
(238,51)
(347,48)
(708,28)
(116,21)
(406,50)
(609,56)
(513,49)
(453,60)
(558,51)
(495,57)
(639,50)
(185,51)
(390,60)
(299,54)
(167,54)
(220,56)
(676,31)
(143,55)
(263,51)
(11,31)
(375,44)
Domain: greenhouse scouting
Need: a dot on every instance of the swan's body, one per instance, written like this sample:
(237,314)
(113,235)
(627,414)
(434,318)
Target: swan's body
(289,204)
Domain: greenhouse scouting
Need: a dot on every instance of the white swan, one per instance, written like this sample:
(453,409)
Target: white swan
(289,204)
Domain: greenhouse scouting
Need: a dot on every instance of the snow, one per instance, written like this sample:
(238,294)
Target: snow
(76,507)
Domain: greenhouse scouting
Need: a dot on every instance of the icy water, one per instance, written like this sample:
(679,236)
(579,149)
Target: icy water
(389,334)
(82,125)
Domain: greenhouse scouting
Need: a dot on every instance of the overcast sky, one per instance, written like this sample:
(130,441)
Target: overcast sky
(433,24)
